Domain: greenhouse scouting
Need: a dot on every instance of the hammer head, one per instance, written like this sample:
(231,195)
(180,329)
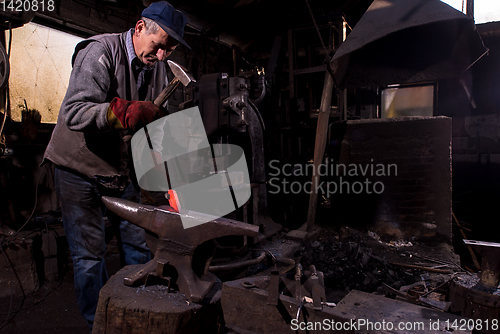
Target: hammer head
(180,73)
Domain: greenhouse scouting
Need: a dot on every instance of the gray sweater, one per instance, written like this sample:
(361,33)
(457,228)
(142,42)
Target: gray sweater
(82,140)
(85,105)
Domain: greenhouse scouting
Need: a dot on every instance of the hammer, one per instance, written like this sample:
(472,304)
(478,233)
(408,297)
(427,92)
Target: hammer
(181,76)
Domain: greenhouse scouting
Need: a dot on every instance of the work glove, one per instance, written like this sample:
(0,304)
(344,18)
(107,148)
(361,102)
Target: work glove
(132,115)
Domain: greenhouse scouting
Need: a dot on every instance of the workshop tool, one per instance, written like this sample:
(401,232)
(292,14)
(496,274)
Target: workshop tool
(490,263)
(180,76)
(317,287)
(305,284)
(249,296)
(176,245)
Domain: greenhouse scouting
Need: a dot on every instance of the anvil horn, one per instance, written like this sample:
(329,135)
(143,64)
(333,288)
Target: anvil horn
(139,214)
(165,221)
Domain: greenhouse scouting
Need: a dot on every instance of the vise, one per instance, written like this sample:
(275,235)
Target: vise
(176,245)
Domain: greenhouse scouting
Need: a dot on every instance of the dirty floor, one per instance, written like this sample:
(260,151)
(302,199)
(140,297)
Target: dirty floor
(350,259)
(52,309)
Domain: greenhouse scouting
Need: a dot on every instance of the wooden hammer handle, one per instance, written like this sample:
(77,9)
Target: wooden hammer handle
(165,94)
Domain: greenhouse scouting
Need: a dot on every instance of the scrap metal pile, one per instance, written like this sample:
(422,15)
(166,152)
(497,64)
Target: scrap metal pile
(353,260)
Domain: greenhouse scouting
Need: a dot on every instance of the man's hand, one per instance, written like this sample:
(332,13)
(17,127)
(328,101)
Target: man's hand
(124,114)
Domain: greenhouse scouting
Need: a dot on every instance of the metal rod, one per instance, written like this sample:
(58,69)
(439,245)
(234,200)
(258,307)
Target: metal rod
(471,251)
(412,266)
(237,265)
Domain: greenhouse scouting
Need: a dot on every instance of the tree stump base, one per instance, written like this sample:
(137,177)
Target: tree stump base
(152,309)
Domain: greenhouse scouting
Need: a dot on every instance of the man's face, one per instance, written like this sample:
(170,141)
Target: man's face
(153,47)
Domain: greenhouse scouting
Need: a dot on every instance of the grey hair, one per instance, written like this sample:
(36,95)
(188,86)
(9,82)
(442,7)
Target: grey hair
(151,26)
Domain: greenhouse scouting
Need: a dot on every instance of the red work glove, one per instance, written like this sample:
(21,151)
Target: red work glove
(124,114)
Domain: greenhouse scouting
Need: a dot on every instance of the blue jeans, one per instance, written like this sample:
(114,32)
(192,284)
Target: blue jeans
(82,214)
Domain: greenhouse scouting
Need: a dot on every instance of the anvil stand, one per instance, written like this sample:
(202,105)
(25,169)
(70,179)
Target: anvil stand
(124,306)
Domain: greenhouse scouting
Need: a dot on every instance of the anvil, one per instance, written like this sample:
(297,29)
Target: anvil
(175,243)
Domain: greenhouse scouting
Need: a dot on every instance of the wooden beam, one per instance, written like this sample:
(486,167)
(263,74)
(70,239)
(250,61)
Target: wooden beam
(315,69)
(470,8)
(319,145)
(291,80)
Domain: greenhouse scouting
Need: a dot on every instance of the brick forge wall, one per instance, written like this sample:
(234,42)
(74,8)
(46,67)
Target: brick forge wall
(414,203)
